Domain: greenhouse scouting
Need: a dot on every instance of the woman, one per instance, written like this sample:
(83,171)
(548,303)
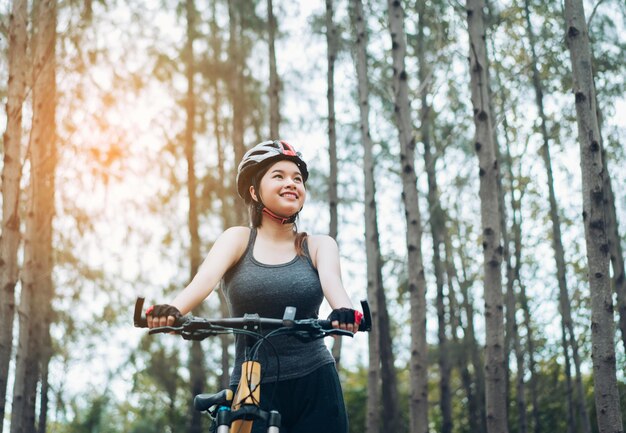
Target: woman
(265,268)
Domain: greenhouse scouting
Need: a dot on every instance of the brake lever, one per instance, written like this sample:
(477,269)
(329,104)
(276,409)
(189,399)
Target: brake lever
(200,334)
(163,329)
(337,331)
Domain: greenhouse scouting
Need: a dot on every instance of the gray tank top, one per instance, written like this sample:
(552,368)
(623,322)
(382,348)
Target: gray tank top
(254,287)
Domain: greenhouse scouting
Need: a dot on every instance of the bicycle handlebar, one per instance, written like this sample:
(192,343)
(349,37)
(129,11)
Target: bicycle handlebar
(199,328)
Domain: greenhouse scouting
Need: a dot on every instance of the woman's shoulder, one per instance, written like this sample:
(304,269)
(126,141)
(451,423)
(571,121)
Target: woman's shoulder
(231,244)
(320,243)
(237,232)
(235,239)
(317,240)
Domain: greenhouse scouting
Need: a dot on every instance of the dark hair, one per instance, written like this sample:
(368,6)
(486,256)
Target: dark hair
(255,210)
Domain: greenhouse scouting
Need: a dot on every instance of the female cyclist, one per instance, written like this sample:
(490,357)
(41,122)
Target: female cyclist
(266,267)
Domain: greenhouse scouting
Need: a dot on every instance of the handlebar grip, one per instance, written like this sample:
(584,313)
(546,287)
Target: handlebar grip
(325,324)
(138,319)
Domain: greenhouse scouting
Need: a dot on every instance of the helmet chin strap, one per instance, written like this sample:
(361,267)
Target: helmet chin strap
(279,219)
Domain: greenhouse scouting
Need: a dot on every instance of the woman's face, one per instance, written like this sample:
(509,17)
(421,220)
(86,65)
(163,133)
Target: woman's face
(282,188)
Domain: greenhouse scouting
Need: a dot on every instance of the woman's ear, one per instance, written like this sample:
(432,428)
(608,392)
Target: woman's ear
(253,193)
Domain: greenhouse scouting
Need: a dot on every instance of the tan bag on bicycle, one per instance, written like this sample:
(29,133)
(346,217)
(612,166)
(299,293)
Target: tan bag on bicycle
(248,392)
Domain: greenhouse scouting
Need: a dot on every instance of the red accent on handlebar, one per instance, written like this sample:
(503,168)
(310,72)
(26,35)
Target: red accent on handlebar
(358,316)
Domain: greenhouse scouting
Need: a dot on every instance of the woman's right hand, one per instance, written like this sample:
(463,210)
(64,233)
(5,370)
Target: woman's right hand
(163,315)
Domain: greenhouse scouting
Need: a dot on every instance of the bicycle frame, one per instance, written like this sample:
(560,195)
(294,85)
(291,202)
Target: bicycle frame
(238,411)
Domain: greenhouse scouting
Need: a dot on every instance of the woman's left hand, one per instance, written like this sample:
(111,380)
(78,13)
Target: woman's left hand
(346,319)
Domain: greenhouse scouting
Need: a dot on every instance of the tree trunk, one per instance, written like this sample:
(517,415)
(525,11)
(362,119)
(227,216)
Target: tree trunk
(37,289)
(571,419)
(471,345)
(530,342)
(274,90)
(521,386)
(372,241)
(594,215)
(617,255)
(223,188)
(463,359)
(197,375)
(495,388)
(333,195)
(437,224)
(557,243)
(418,368)
(615,245)
(236,94)
(190,109)
(45,386)
(512,338)
(11,176)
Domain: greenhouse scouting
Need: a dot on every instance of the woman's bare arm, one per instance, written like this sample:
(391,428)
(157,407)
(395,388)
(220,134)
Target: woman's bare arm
(226,251)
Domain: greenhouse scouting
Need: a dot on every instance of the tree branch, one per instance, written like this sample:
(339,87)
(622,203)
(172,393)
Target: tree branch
(593,13)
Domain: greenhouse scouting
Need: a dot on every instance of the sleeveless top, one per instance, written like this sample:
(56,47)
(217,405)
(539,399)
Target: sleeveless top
(254,287)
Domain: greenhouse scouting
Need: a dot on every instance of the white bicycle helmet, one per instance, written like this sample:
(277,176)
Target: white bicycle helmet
(259,157)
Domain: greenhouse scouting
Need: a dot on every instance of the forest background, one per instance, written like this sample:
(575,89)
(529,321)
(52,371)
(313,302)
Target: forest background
(125,121)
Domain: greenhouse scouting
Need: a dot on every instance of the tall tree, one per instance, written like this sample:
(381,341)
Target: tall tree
(35,308)
(215,76)
(236,90)
(511,334)
(47,351)
(495,383)
(333,187)
(372,239)
(437,219)
(512,338)
(557,239)
(617,255)
(523,300)
(513,261)
(463,359)
(418,364)
(595,216)
(331,43)
(11,176)
(196,356)
(274,89)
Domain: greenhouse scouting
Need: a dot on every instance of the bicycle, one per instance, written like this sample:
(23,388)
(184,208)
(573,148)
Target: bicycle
(237,410)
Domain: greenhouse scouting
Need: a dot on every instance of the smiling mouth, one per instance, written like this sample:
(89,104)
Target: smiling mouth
(289,195)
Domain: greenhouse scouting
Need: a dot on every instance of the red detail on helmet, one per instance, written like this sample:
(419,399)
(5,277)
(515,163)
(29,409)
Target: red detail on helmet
(288,149)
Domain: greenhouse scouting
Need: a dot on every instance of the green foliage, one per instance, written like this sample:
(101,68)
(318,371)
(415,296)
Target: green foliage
(95,418)
(551,385)
(355,389)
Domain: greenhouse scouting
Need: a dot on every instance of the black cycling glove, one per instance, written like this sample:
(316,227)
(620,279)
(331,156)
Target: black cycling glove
(165,310)
(346,315)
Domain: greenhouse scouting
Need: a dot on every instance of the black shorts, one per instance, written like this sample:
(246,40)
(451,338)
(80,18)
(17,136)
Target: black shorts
(309,404)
